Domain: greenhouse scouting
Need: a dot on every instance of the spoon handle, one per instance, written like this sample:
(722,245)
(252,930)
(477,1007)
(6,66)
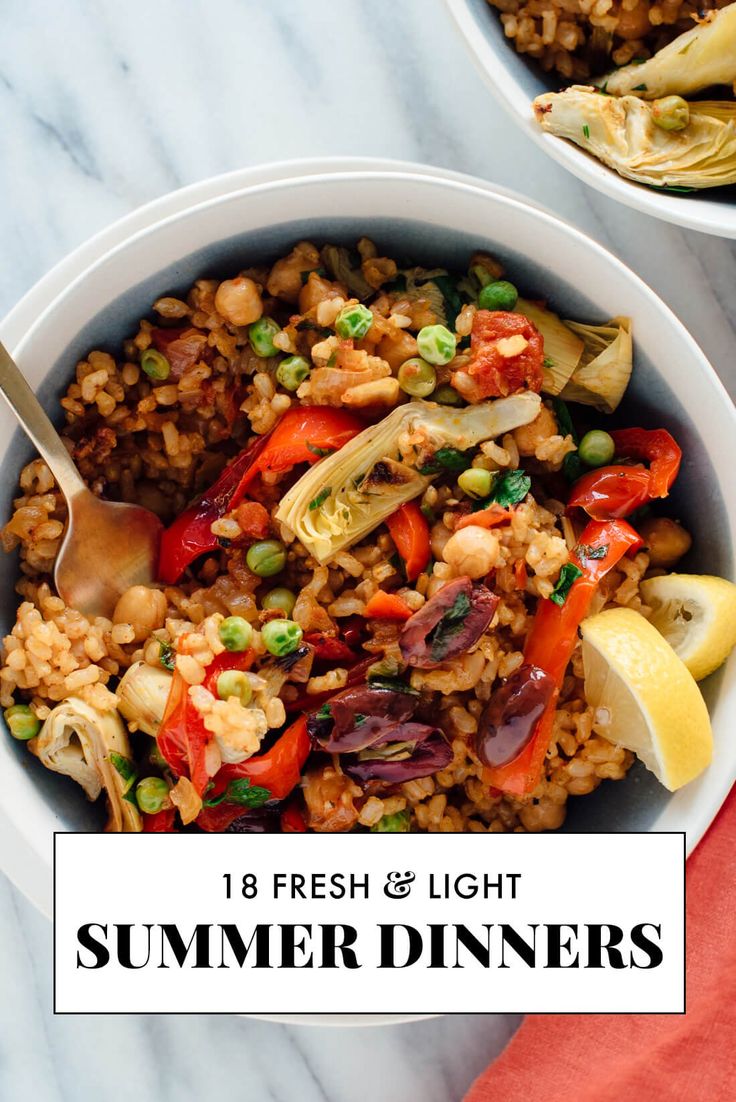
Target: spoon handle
(26,407)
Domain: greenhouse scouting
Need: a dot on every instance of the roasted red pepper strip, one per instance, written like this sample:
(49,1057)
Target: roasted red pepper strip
(553,638)
(616,491)
(292,820)
(183,738)
(160,823)
(299,437)
(279,770)
(387,606)
(410,532)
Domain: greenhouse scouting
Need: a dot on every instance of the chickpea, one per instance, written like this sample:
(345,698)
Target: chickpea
(667,541)
(285,280)
(143,608)
(396,348)
(239,301)
(472,551)
(529,437)
(317,290)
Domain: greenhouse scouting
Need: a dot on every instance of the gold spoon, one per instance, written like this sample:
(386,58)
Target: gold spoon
(108,546)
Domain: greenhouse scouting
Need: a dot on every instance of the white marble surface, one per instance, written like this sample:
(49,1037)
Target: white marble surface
(106,105)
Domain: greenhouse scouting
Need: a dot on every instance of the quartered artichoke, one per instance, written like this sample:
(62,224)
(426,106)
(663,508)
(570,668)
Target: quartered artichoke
(698,59)
(350,493)
(92,748)
(622,133)
(142,695)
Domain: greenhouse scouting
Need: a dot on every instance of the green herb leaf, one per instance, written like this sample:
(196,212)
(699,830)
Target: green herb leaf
(447,459)
(511,488)
(428,513)
(564,419)
(586,131)
(324,712)
(569,574)
(393,684)
(584,551)
(640,88)
(320,498)
(572,467)
(126,768)
(453,301)
(319,451)
(359,718)
(450,624)
(240,791)
(167,656)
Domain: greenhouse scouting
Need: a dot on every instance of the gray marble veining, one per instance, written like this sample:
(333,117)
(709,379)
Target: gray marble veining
(107,105)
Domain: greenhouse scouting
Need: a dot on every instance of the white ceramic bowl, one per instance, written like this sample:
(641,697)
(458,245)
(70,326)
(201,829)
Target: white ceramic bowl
(433,220)
(516,81)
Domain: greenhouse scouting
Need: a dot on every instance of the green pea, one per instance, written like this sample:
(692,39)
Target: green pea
(671,113)
(280,598)
(266,557)
(292,372)
(155,365)
(151,794)
(234,683)
(235,633)
(22,722)
(499,295)
(417,377)
(475,482)
(436,344)
(446,395)
(261,334)
(353,322)
(281,637)
(398,823)
(596,448)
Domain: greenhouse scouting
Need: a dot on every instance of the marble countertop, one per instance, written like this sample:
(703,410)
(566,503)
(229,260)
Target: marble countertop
(106,106)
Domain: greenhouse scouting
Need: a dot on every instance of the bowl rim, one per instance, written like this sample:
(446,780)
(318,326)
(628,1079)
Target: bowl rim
(500,77)
(699,818)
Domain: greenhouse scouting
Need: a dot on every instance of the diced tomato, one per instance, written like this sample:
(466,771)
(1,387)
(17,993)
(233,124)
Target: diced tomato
(387,606)
(329,648)
(496,368)
(253,519)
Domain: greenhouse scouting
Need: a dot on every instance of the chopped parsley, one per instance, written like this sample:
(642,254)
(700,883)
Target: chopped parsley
(452,300)
(320,498)
(511,488)
(564,420)
(319,451)
(640,88)
(451,623)
(324,712)
(359,718)
(240,791)
(392,684)
(167,656)
(586,130)
(548,361)
(584,551)
(127,771)
(573,466)
(569,574)
(447,459)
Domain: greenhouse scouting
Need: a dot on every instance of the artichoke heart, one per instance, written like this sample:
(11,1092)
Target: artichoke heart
(605,365)
(348,494)
(622,133)
(81,742)
(703,56)
(142,695)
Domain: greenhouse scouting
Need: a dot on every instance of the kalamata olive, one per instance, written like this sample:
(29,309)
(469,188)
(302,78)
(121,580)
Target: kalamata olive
(508,720)
(429,753)
(449,624)
(356,718)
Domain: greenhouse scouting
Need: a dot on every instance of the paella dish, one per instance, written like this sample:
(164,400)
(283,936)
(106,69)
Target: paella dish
(416,573)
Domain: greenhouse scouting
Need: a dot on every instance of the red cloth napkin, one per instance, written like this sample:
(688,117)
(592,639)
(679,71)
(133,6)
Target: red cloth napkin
(641,1058)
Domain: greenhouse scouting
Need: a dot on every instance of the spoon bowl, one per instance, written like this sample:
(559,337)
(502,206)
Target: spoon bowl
(108,546)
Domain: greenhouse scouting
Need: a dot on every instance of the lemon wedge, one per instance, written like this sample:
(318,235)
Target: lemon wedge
(696,613)
(645,697)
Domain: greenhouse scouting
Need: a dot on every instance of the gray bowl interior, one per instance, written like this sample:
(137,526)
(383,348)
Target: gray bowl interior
(632,804)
